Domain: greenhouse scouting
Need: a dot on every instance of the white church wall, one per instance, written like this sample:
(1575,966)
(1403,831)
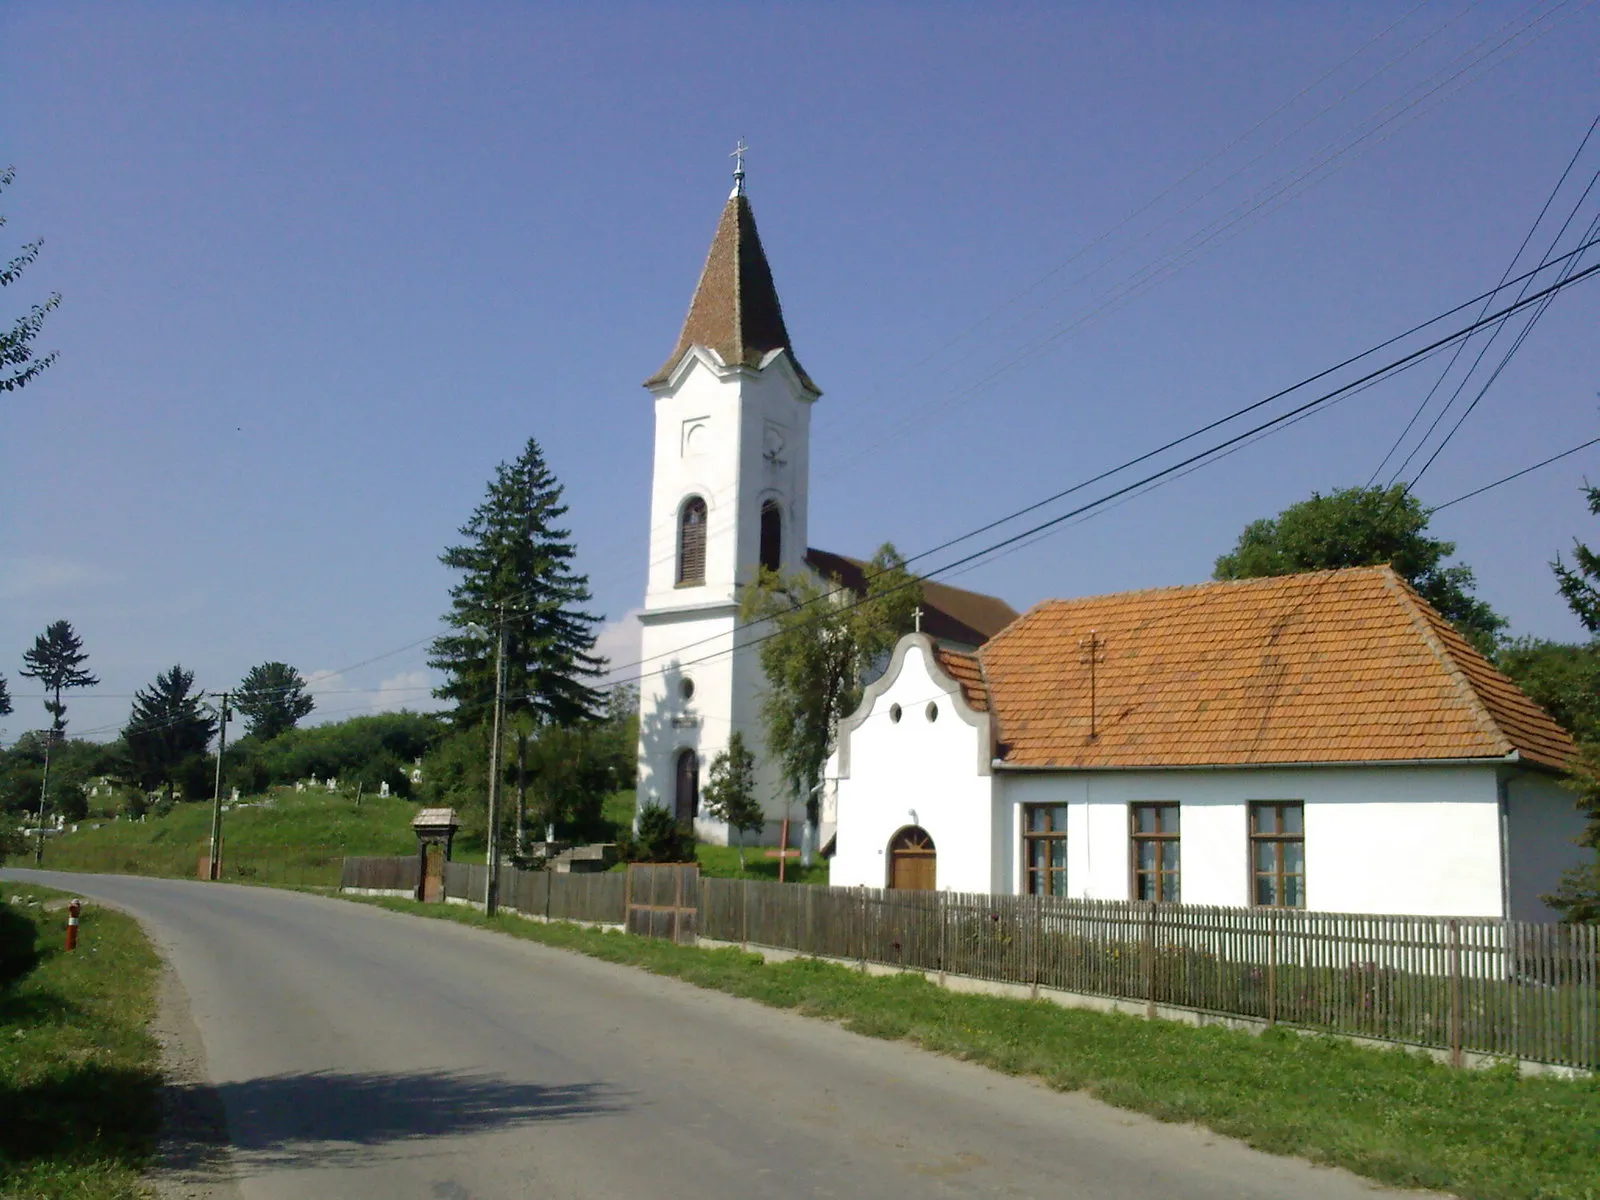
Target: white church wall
(1421,840)
(914,771)
(1541,823)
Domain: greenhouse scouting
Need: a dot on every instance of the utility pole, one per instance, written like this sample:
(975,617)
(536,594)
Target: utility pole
(44,790)
(491,897)
(214,870)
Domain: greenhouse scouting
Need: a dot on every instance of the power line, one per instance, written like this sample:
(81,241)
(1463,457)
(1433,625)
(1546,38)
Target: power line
(1489,487)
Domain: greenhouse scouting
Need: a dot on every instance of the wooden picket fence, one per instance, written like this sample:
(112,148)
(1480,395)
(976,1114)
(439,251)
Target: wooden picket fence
(1504,988)
(381,874)
(1509,989)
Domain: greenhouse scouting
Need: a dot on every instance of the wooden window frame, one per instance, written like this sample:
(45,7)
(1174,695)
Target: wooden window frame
(1277,838)
(687,575)
(1030,837)
(1159,836)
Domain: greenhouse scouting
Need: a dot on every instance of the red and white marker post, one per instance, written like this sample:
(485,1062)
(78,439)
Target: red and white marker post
(74,911)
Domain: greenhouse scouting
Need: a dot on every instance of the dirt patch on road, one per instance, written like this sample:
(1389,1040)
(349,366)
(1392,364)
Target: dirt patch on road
(193,1161)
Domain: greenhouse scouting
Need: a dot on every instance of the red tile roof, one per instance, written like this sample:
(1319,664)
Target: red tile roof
(1334,666)
(966,671)
(949,614)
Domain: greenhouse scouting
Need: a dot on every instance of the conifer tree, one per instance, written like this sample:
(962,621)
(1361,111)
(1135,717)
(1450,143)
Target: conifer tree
(731,791)
(18,364)
(5,698)
(56,661)
(168,731)
(516,554)
(1580,583)
(272,698)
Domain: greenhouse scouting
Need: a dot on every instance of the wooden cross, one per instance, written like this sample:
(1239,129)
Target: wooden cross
(1093,653)
(917,615)
(783,854)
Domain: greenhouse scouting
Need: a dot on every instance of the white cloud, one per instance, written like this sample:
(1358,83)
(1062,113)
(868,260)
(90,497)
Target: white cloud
(619,643)
(31,573)
(409,689)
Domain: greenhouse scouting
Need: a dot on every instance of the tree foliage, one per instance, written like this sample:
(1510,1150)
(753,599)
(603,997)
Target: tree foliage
(660,838)
(1365,527)
(1580,583)
(731,791)
(516,554)
(824,641)
(1564,679)
(5,698)
(167,734)
(272,698)
(19,364)
(1577,897)
(74,766)
(573,769)
(56,661)
(368,751)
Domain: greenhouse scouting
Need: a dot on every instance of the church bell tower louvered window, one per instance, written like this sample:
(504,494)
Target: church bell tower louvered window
(771,555)
(692,543)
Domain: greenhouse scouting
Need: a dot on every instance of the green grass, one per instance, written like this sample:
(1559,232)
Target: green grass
(722,862)
(1391,1115)
(79,1075)
(300,839)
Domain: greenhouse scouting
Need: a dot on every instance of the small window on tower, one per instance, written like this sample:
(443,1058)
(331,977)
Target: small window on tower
(692,543)
(771,535)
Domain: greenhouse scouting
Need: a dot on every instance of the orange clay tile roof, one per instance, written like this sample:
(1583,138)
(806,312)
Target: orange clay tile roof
(1329,667)
(964,669)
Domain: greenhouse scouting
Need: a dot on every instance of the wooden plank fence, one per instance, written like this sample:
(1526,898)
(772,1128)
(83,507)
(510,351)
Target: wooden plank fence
(1465,985)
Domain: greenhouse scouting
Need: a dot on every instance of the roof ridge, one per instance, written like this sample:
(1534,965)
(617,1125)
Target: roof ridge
(1419,610)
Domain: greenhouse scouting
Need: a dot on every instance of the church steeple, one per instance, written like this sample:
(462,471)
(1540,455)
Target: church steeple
(735,310)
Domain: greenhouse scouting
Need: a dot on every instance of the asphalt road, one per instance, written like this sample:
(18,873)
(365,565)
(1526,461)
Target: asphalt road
(360,1053)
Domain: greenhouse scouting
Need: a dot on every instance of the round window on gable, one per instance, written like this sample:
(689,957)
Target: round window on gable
(932,711)
(686,688)
(894,713)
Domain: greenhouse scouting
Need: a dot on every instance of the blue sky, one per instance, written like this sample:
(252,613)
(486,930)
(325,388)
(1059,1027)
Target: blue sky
(325,265)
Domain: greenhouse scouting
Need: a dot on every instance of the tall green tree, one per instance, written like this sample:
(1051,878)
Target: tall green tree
(1365,527)
(516,554)
(18,363)
(168,731)
(56,661)
(272,698)
(1580,583)
(5,698)
(824,640)
(731,791)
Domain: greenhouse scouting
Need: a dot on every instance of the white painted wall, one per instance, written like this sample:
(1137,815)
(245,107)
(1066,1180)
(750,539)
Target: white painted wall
(1541,822)
(914,772)
(1419,840)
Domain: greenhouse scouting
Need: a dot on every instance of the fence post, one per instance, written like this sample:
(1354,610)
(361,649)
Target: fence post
(938,900)
(862,890)
(744,917)
(1038,937)
(627,899)
(1455,992)
(1150,959)
(1272,966)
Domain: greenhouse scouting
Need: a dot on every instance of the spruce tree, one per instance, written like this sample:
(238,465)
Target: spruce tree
(168,731)
(56,661)
(516,554)
(272,698)
(5,697)
(1580,583)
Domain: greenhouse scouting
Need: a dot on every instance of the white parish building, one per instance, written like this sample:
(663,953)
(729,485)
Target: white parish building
(1323,740)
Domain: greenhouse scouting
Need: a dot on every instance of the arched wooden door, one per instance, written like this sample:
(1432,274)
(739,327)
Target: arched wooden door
(913,863)
(686,803)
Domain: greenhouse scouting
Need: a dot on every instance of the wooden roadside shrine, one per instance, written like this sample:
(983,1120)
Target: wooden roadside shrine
(436,834)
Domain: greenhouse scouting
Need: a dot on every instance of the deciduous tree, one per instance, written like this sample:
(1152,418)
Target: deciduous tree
(272,698)
(824,639)
(56,661)
(169,729)
(731,791)
(19,364)
(1363,527)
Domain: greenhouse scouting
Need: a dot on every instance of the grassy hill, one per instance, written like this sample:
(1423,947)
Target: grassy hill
(283,837)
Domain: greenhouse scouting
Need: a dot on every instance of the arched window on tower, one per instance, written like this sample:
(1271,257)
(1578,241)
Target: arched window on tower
(692,542)
(771,535)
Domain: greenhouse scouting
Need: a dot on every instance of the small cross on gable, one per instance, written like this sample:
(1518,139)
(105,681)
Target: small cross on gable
(917,615)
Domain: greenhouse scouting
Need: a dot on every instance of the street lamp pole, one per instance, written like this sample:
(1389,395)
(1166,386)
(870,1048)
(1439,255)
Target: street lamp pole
(44,790)
(214,866)
(491,897)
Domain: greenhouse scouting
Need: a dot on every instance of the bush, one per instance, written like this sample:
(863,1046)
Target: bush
(660,839)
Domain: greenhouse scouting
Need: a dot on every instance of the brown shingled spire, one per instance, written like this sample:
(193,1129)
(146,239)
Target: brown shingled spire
(735,310)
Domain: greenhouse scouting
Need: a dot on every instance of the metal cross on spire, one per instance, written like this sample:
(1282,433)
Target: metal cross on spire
(738,167)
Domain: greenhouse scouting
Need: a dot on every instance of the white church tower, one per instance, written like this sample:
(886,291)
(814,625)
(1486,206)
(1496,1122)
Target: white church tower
(732,450)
